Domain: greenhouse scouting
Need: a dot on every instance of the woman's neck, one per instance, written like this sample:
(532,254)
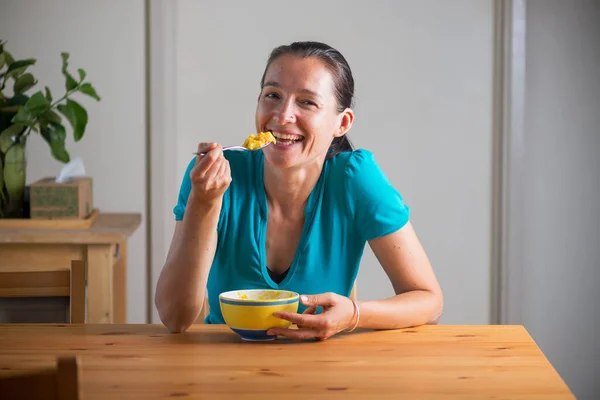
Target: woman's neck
(288,189)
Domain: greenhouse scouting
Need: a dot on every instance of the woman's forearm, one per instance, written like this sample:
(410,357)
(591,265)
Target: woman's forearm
(181,287)
(412,308)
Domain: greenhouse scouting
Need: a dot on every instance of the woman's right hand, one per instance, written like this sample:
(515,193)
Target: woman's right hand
(211,175)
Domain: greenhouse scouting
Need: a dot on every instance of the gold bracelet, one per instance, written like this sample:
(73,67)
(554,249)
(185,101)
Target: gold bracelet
(357,312)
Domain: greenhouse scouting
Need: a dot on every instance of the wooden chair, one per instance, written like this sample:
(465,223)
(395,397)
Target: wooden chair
(26,282)
(57,383)
(206,309)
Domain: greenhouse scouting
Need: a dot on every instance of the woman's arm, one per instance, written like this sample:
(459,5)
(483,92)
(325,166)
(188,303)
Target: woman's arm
(182,283)
(419,299)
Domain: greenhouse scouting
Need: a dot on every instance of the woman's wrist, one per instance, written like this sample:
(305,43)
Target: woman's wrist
(198,200)
(355,318)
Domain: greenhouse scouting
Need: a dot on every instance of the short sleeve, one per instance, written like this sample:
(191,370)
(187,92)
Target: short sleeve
(377,207)
(184,192)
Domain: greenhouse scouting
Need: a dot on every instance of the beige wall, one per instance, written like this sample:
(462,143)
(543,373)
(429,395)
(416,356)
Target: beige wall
(561,227)
(107,40)
(424,102)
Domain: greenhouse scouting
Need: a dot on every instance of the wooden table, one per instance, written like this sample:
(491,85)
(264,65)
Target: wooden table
(210,361)
(103,246)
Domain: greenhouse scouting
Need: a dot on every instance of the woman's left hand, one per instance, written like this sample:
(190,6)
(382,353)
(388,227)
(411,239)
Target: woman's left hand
(338,313)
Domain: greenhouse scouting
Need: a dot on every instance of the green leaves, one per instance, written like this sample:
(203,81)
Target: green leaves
(24,83)
(18,100)
(23,117)
(48,94)
(37,103)
(55,135)
(17,68)
(70,82)
(52,117)
(20,114)
(7,135)
(8,58)
(77,117)
(30,112)
(20,64)
(88,89)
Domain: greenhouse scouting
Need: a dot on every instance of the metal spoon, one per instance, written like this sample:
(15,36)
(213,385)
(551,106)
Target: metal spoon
(242,148)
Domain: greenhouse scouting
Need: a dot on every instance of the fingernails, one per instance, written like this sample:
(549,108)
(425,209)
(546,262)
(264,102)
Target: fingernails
(304,299)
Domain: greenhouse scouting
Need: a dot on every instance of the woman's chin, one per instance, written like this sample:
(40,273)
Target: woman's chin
(283,156)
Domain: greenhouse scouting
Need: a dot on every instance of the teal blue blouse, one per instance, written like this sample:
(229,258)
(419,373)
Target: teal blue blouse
(351,203)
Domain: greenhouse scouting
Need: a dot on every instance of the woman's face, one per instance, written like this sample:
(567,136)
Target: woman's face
(298,105)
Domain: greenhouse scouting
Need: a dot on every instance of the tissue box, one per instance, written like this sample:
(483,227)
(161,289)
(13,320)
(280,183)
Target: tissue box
(69,200)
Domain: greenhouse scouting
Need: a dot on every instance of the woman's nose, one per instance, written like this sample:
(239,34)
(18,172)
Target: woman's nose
(286,114)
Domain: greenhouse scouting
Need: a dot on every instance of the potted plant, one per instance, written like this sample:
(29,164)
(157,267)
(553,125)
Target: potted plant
(21,114)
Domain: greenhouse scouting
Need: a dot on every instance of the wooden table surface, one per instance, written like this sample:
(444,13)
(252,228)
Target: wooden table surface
(108,228)
(210,361)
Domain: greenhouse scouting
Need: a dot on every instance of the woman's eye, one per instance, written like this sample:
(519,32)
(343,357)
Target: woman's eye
(308,103)
(271,96)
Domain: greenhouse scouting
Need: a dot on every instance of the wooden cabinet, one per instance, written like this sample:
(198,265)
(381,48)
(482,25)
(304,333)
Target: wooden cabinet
(103,246)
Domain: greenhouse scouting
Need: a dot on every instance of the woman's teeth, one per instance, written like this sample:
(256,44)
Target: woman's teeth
(283,138)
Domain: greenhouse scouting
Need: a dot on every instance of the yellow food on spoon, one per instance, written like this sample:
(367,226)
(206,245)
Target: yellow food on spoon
(255,142)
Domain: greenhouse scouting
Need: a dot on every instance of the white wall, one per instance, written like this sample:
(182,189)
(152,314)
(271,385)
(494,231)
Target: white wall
(561,246)
(424,102)
(107,40)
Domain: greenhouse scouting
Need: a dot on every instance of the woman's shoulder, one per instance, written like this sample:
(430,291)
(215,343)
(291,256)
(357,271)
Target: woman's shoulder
(357,175)
(351,164)
(355,156)
(368,195)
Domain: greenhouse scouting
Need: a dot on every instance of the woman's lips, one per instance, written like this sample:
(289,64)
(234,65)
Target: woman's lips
(283,135)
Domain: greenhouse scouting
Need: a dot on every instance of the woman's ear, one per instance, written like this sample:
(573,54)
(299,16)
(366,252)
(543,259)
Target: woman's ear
(346,120)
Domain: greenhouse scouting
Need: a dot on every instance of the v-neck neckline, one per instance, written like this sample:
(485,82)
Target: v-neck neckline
(309,213)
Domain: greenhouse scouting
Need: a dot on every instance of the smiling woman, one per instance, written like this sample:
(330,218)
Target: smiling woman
(296,215)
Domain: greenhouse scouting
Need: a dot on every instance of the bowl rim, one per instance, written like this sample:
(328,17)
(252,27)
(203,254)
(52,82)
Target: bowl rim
(224,295)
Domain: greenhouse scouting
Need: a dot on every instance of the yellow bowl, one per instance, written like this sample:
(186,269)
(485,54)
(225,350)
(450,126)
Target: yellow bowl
(249,313)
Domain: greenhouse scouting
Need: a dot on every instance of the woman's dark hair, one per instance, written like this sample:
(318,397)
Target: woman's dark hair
(342,79)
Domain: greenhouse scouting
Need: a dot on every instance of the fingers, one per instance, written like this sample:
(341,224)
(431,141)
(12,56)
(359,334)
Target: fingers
(309,310)
(304,320)
(203,163)
(211,175)
(323,300)
(205,148)
(299,334)
(337,310)
(224,172)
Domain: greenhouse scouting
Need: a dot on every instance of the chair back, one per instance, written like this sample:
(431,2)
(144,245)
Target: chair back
(60,382)
(23,281)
